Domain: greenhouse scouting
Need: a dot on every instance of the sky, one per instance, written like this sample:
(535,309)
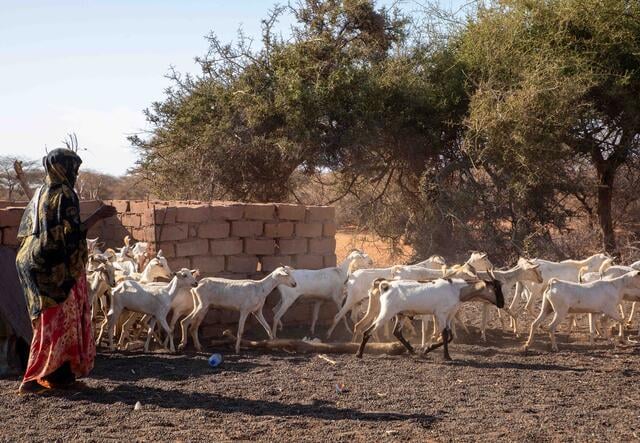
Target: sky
(92,67)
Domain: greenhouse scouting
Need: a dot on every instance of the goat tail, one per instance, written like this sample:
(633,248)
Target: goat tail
(605,265)
(583,270)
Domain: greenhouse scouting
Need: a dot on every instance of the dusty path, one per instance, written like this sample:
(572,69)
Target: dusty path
(489,393)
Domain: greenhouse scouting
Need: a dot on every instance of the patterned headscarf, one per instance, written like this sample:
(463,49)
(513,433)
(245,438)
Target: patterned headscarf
(53,250)
(61,166)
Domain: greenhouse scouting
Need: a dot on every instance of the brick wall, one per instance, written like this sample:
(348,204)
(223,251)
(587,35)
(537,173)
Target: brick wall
(227,239)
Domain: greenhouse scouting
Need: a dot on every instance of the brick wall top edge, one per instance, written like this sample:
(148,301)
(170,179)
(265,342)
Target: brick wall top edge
(183,203)
(13,204)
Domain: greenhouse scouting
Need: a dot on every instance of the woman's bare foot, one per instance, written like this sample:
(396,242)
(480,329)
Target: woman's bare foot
(31,387)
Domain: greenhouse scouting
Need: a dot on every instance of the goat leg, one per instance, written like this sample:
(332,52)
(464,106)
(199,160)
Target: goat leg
(397,332)
(446,338)
(432,347)
(365,338)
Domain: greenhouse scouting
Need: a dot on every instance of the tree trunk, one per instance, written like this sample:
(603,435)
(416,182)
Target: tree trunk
(606,176)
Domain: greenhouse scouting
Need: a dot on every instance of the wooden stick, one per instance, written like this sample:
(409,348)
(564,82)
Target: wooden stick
(327,359)
(17,166)
(305,347)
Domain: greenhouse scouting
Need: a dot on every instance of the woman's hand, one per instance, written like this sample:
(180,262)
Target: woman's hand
(104,211)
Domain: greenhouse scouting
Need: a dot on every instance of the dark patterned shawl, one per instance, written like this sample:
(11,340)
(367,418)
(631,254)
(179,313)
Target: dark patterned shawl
(53,248)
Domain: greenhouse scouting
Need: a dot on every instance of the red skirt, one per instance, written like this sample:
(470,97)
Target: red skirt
(63,334)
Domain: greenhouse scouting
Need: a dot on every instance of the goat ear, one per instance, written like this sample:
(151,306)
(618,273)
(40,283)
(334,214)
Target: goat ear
(479,286)
(160,253)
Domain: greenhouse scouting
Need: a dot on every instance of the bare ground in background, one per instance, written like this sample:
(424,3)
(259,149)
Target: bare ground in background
(378,249)
(491,392)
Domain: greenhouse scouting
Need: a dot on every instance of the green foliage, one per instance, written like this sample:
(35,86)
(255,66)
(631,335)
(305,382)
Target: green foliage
(253,117)
(556,82)
(493,137)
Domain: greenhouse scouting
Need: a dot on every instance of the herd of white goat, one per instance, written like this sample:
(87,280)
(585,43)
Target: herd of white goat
(432,292)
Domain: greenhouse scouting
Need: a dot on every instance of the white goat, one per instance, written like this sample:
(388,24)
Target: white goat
(181,306)
(320,285)
(140,254)
(635,265)
(93,246)
(523,271)
(157,267)
(567,270)
(372,311)
(360,281)
(440,298)
(629,294)
(154,301)
(478,260)
(565,297)
(100,282)
(244,296)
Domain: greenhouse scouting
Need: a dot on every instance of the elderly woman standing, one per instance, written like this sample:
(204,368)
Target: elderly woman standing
(51,264)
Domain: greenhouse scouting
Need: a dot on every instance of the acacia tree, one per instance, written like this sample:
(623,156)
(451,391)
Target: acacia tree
(254,116)
(352,92)
(556,85)
(475,138)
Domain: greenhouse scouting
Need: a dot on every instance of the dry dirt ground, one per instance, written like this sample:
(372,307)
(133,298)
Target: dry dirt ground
(489,392)
(378,249)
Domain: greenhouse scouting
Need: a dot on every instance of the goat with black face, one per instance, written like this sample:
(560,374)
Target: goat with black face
(440,298)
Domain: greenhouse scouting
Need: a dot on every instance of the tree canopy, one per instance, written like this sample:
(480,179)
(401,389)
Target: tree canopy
(495,135)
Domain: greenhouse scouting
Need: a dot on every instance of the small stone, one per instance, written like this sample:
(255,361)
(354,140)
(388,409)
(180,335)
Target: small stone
(137,406)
